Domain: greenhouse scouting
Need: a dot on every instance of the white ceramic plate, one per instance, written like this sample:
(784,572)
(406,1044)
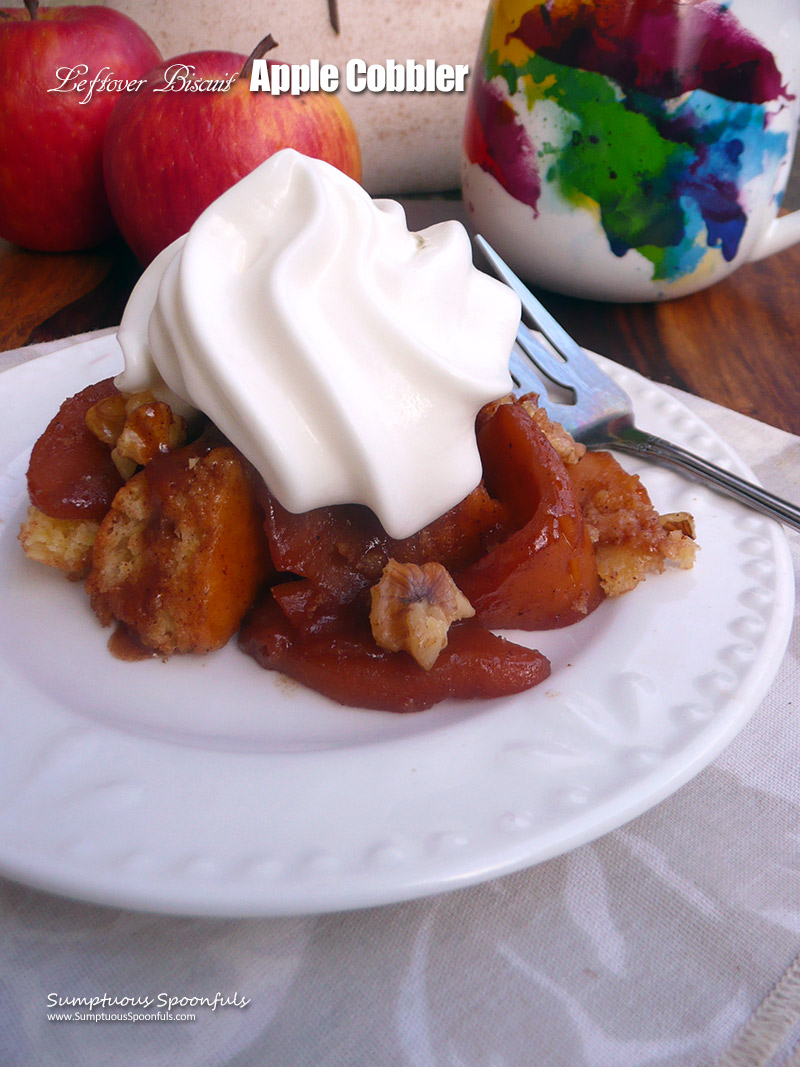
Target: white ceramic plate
(208,786)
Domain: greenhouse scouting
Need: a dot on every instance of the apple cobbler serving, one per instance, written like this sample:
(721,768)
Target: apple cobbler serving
(306,449)
(182,546)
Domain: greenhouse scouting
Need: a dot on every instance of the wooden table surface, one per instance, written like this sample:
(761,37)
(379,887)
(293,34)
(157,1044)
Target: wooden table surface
(737,343)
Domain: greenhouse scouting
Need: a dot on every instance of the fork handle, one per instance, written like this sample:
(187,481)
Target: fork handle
(639,443)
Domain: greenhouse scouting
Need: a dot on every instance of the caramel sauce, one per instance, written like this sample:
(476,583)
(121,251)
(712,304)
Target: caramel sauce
(124,646)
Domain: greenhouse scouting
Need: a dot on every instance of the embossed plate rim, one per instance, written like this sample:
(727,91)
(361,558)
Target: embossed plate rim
(384,808)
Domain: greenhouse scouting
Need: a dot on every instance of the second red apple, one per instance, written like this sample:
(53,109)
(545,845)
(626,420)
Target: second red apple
(181,141)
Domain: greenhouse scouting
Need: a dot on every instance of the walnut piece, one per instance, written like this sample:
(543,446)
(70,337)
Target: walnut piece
(413,607)
(682,521)
(137,428)
(106,418)
(149,429)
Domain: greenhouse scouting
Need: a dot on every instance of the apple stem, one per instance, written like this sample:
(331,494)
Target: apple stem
(265,45)
(33,8)
(333,15)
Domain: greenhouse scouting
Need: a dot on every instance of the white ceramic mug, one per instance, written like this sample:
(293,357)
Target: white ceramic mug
(633,150)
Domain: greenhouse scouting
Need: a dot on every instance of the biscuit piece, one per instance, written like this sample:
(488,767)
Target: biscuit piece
(631,539)
(182,551)
(65,544)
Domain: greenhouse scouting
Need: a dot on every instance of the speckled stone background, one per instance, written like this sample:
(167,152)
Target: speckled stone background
(410,141)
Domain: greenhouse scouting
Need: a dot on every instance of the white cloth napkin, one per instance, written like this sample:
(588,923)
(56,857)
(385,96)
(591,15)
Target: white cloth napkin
(673,941)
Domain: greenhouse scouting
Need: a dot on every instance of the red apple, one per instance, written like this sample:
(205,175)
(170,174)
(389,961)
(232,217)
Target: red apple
(55,105)
(179,143)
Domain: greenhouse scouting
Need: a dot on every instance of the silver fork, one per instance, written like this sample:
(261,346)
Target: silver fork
(597,412)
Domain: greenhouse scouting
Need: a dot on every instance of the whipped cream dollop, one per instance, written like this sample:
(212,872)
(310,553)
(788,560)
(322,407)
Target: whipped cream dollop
(343,355)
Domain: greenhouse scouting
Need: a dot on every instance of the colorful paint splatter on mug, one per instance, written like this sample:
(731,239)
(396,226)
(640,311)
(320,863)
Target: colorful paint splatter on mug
(654,116)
